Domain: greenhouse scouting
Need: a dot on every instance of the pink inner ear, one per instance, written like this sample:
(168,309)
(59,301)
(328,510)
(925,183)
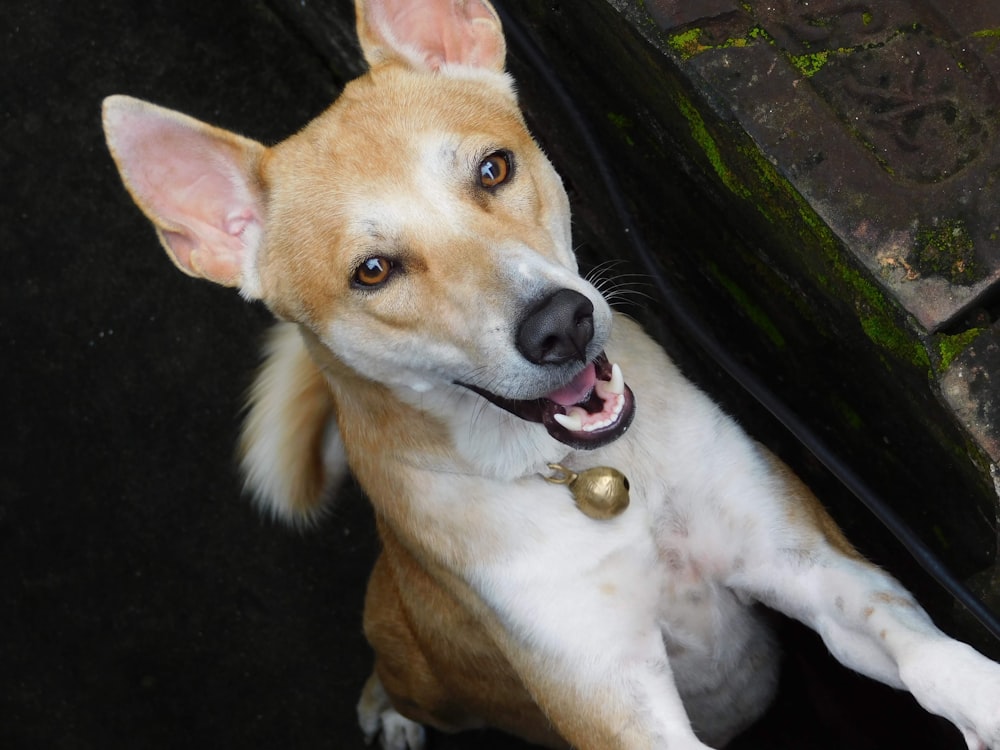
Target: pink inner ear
(442,32)
(190,179)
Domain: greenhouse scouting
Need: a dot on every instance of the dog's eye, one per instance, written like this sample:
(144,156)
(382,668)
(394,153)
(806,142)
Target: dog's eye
(494,169)
(373,271)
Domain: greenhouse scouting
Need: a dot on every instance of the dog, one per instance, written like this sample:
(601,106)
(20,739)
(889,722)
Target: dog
(437,340)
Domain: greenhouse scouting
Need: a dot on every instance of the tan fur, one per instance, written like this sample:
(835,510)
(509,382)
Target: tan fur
(443,260)
(459,683)
(306,408)
(806,511)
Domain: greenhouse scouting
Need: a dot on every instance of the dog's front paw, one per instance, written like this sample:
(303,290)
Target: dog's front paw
(396,732)
(953,680)
(379,719)
(974,741)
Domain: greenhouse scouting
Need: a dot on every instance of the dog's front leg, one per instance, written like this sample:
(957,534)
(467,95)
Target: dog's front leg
(865,617)
(610,700)
(575,614)
(873,625)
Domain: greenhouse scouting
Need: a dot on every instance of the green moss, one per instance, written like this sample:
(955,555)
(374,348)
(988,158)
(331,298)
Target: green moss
(950,347)
(848,413)
(945,250)
(623,124)
(881,322)
(886,333)
(942,538)
(708,146)
(691,43)
(756,315)
(810,64)
(619,121)
(687,44)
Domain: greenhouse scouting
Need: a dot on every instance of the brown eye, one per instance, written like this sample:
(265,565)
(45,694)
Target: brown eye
(373,271)
(494,169)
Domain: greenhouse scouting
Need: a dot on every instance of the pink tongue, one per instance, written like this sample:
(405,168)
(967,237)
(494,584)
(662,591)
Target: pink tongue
(576,391)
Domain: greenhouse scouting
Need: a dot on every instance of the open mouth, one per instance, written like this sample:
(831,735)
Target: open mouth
(593,409)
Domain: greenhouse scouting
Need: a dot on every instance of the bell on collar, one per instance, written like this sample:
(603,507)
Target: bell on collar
(600,492)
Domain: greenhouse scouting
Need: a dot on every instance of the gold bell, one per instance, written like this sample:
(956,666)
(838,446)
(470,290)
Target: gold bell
(600,492)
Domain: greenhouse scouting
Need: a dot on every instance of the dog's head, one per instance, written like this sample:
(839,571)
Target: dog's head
(414,227)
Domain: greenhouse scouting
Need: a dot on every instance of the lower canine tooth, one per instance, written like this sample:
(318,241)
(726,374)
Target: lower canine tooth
(572,423)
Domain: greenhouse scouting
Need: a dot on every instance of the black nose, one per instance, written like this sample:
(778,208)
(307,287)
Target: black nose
(557,330)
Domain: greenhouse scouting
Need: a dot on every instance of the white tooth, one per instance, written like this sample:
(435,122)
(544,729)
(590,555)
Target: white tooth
(617,384)
(613,387)
(619,404)
(597,425)
(571,422)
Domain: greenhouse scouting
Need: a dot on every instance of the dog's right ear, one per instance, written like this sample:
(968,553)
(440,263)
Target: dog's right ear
(430,34)
(196,183)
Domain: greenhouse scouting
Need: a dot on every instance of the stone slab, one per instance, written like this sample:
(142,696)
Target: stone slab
(971,387)
(884,116)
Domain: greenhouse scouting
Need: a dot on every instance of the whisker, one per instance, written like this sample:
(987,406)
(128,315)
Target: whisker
(601,270)
(625,288)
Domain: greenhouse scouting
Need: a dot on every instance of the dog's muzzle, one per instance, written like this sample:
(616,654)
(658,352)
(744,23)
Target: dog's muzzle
(595,407)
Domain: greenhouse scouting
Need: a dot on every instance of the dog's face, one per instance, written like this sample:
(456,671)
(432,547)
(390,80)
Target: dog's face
(433,223)
(415,228)
(436,227)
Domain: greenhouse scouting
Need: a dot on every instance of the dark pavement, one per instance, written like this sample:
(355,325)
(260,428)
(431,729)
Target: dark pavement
(145,603)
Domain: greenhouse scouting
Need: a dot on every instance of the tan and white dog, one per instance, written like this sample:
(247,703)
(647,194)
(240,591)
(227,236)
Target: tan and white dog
(439,341)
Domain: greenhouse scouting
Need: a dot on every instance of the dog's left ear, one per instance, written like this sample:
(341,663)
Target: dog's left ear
(198,184)
(430,34)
